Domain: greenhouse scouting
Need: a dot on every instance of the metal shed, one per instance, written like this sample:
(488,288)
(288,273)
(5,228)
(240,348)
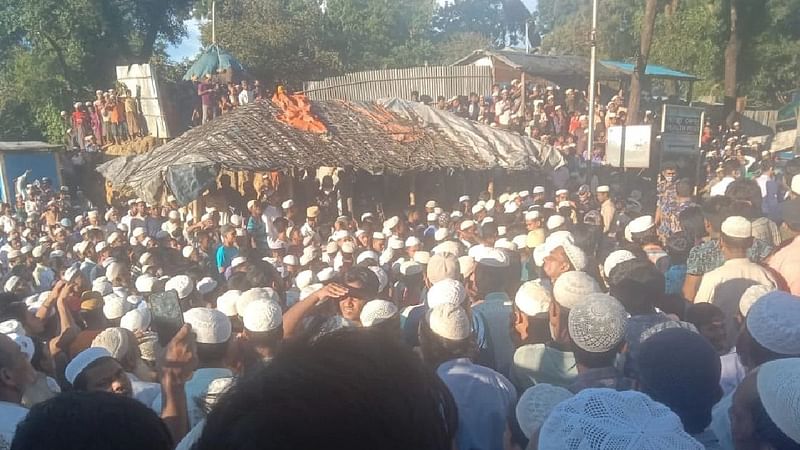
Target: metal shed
(16,157)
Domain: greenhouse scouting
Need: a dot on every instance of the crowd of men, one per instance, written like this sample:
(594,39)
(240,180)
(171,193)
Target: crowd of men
(113,117)
(528,319)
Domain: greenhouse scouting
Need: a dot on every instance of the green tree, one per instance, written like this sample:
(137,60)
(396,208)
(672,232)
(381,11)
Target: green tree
(276,40)
(500,21)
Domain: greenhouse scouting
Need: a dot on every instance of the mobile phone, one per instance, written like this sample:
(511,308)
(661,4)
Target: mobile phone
(167,317)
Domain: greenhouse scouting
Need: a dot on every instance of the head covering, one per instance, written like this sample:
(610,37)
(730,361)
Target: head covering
(536,403)
(597,324)
(211,326)
(752,294)
(383,277)
(450,322)
(441,267)
(538,190)
(611,420)
(532,298)
(465,225)
(422,257)
(180,283)
(555,221)
(206,285)
(638,225)
(391,223)
(377,311)
(491,257)
(603,188)
(575,255)
(226,303)
(737,227)
(262,316)
(773,322)
(778,385)
(117,341)
(614,258)
(12,326)
(446,291)
(253,295)
(368,254)
(114,306)
(136,320)
(82,360)
(440,234)
(145,283)
(12,283)
(312,211)
(572,288)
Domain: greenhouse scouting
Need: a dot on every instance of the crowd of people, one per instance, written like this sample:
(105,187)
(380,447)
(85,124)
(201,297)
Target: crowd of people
(216,99)
(113,117)
(537,318)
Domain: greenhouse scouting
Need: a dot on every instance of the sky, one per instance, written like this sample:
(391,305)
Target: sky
(190,45)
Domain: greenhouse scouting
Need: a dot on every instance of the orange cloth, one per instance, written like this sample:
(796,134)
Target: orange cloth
(297,112)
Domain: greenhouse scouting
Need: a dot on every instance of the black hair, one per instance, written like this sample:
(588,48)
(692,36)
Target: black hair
(701,314)
(488,230)
(752,353)
(637,284)
(366,277)
(212,353)
(239,282)
(7,298)
(360,390)
(80,383)
(715,210)
(765,430)
(684,187)
(678,246)
(746,191)
(587,238)
(489,279)
(596,360)
(14,310)
(269,339)
(692,222)
(736,243)
(92,421)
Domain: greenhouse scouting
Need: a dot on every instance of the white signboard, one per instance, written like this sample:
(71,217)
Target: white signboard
(141,81)
(629,146)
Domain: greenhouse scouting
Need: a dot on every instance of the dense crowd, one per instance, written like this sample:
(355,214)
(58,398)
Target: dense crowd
(528,319)
(113,117)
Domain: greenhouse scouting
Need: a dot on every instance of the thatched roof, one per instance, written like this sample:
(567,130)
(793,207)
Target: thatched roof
(365,135)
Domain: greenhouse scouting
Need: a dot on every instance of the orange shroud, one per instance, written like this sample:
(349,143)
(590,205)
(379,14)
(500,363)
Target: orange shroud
(297,112)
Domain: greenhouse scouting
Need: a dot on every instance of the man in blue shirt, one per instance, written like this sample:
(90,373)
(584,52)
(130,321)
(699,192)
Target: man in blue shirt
(228,250)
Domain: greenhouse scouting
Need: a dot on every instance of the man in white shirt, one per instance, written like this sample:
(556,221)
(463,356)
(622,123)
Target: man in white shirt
(18,375)
(246,95)
(730,170)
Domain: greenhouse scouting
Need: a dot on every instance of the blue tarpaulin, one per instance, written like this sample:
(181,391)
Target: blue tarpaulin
(651,70)
(214,61)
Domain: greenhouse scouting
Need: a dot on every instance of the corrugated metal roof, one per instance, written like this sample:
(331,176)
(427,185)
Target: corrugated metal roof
(27,146)
(545,66)
(652,70)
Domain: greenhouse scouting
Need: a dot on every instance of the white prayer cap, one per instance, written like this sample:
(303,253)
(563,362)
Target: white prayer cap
(503,197)
(555,221)
(12,326)
(396,243)
(446,291)
(211,326)
(450,322)
(562,192)
(38,251)
(532,298)
(413,241)
(180,283)
(133,300)
(114,306)
(12,283)
(463,198)
(72,273)
(615,258)
(383,277)
(598,323)
(491,257)
(287,204)
(348,247)
(431,217)
(409,268)
(466,265)
(377,311)
(520,240)
(113,271)
(441,234)
(490,204)
(326,274)
(112,237)
(116,341)
(611,420)
(478,208)
(175,215)
(238,261)
(145,283)
(778,385)
(136,319)
(339,234)
(291,260)
(391,222)
(752,294)
(564,204)
(422,257)
(206,285)
(13,254)
(368,254)
(575,255)
(524,193)
(737,227)
(796,184)
(138,231)
(146,259)
(378,236)
(25,344)
(262,316)
(538,190)
(504,243)
(488,219)
(97,248)
(536,403)
(331,247)
(572,288)
(430,204)
(456,215)
(773,322)
(441,266)
(511,208)
(188,251)
(226,303)
(603,188)
(639,225)
(531,215)
(82,360)
(304,278)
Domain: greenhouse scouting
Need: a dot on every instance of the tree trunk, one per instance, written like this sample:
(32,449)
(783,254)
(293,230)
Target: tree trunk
(731,63)
(648,26)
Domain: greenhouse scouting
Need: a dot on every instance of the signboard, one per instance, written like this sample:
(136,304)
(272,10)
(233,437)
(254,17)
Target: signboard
(629,146)
(141,81)
(681,130)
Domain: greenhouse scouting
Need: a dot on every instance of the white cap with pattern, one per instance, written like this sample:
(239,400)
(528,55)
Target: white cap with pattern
(450,322)
(597,324)
(752,294)
(772,322)
(262,316)
(226,303)
(778,385)
(377,311)
(211,326)
(182,284)
(615,258)
(532,298)
(446,292)
(571,288)
(536,403)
